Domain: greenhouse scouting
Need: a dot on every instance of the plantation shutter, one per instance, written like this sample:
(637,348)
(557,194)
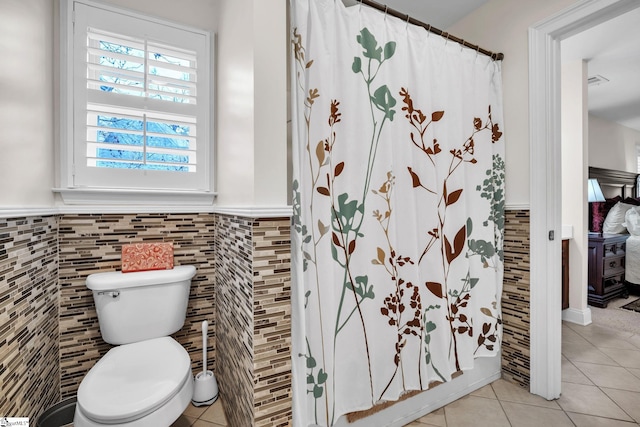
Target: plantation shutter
(140,108)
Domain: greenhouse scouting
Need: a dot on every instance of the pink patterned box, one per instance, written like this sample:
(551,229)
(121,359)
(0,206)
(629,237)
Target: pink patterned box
(147,256)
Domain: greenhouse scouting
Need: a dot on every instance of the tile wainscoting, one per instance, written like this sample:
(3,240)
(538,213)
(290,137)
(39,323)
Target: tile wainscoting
(234,319)
(49,335)
(254,319)
(272,322)
(516,298)
(29,345)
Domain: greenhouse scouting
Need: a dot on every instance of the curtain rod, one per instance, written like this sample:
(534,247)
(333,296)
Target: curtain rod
(428,27)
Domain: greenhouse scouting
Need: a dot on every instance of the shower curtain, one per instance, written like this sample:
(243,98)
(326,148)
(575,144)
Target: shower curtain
(398,226)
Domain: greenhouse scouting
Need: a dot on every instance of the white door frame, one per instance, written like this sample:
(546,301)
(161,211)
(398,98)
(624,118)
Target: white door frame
(546,204)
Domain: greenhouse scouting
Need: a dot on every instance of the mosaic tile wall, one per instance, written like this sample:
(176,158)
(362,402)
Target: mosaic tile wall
(272,322)
(29,372)
(516,298)
(254,320)
(234,318)
(91,243)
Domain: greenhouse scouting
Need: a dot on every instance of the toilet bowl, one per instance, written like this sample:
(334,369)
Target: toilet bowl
(146,380)
(142,384)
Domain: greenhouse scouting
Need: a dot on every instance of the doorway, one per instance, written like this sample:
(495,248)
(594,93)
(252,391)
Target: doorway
(544,140)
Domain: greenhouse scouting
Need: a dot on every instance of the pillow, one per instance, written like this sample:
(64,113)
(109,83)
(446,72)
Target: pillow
(599,211)
(614,222)
(632,221)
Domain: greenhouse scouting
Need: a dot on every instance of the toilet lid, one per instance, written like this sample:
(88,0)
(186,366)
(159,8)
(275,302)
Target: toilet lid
(132,380)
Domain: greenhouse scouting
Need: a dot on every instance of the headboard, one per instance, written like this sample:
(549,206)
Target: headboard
(615,182)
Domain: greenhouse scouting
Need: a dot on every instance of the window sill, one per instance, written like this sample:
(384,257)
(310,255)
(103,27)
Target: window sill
(128,197)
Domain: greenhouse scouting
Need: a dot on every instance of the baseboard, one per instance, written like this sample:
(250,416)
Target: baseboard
(580,317)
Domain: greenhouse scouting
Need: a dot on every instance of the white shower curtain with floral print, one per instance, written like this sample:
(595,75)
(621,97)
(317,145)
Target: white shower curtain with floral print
(398,227)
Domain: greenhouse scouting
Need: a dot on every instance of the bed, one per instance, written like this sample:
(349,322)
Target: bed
(619,214)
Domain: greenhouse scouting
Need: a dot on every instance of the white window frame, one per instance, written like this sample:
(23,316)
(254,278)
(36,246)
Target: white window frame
(79,184)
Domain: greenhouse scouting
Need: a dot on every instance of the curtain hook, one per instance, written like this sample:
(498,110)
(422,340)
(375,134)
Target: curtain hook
(428,30)
(385,11)
(446,42)
(360,6)
(407,23)
(462,45)
(477,52)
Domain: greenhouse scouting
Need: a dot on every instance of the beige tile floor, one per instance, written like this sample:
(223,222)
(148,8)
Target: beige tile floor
(600,388)
(202,416)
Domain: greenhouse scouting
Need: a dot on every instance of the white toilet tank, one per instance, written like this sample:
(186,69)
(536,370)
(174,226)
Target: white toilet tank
(142,305)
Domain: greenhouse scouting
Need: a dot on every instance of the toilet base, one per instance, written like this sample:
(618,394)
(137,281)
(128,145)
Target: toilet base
(164,416)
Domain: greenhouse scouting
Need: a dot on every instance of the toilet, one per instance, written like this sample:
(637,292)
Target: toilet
(146,379)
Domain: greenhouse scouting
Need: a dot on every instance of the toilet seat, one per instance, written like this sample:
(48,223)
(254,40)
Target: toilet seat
(133,380)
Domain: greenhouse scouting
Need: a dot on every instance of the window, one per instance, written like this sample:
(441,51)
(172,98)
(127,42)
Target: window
(137,97)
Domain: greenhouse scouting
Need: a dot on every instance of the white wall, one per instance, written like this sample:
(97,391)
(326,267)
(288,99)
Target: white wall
(196,13)
(270,114)
(612,146)
(250,105)
(26,103)
(574,146)
(502,26)
(235,104)
(250,118)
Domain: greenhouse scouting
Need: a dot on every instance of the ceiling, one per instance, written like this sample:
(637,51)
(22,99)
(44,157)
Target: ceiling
(612,50)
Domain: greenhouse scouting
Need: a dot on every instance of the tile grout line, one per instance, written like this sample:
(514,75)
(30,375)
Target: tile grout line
(616,403)
(501,405)
(596,385)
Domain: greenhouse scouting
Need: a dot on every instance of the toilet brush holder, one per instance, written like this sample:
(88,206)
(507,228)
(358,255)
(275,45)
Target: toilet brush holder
(205,389)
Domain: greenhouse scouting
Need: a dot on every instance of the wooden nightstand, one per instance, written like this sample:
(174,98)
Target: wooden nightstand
(606,268)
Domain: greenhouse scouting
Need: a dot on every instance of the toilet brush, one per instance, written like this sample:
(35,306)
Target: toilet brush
(205,390)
